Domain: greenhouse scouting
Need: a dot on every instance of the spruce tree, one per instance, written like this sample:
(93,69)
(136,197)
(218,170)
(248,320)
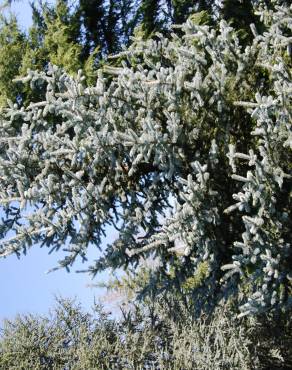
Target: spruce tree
(184,147)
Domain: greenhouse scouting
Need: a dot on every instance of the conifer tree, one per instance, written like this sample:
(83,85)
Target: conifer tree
(150,11)
(182,9)
(12,44)
(53,37)
(186,146)
(148,336)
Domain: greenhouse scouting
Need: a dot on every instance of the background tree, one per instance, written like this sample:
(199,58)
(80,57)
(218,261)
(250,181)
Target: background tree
(52,37)
(146,337)
(12,44)
(150,16)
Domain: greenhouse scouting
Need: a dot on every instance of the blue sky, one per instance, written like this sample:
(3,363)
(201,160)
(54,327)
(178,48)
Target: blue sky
(22,10)
(25,287)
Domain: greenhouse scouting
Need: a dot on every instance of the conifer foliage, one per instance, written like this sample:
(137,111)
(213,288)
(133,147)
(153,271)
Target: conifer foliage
(185,146)
(147,337)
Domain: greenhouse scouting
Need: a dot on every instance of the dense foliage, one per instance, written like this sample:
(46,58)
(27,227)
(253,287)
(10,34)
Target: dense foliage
(182,143)
(161,148)
(148,337)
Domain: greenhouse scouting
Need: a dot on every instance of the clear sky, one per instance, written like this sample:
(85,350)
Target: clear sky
(24,285)
(22,10)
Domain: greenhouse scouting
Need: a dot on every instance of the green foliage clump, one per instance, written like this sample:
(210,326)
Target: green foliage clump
(200,275)
(50,39)
(12,44)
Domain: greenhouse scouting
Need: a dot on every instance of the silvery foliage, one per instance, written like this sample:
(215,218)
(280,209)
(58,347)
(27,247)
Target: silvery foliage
(157,129)
(266,241)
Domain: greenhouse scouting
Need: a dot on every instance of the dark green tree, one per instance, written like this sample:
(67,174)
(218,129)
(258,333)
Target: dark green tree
(182,9)
(150,13)
(240,14)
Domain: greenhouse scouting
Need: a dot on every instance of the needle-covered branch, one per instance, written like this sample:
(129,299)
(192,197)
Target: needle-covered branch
(186,146)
